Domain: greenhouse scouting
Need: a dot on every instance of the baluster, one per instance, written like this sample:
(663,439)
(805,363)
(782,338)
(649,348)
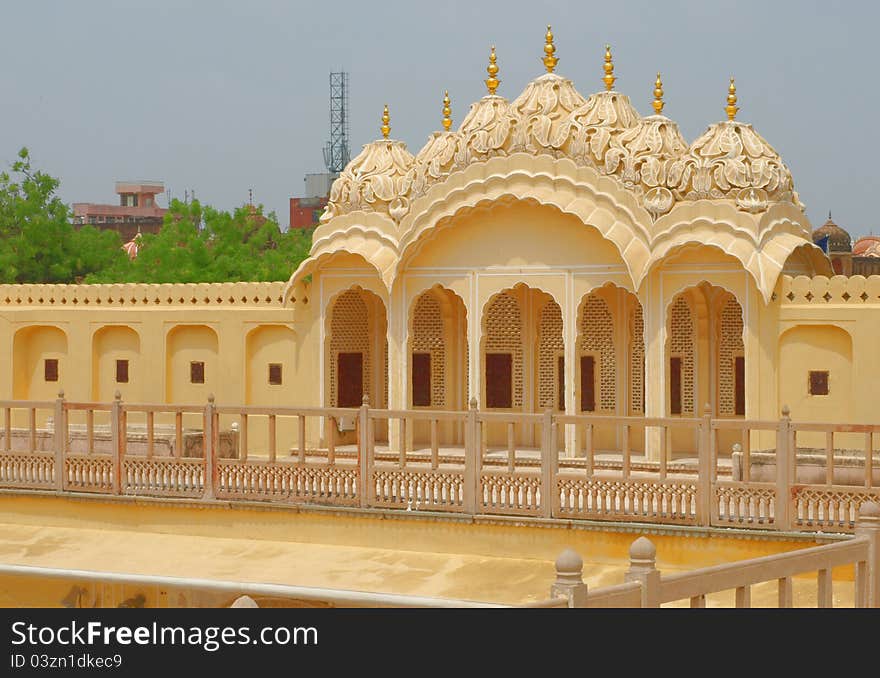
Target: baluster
(435,450)
(698,601)
(243,437)
(90,431)
(301,424)
(402,433)
(149,434)
(123,431)
(511,447)
(746,456)
(32,425)
(743,596)
(869,460)
(588,444)
(824,588)
(829,457)
(663,449)
(178,434)
(786,598)
(331,440)
(272,438)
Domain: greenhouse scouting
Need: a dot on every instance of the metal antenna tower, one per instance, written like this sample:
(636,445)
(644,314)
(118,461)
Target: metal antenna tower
(336,152)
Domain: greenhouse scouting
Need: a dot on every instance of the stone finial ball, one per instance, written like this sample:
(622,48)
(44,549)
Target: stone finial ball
(870,508)
(642,549)
(244,601)
(569,561)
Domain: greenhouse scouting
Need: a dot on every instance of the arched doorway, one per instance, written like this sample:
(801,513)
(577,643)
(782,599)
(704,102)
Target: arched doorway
(356,355)
(705,359)
(438,360)
(521,359)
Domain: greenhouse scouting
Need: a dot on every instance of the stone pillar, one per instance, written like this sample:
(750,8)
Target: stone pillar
(569,579)
(642,568)
(868,527)
(654,313)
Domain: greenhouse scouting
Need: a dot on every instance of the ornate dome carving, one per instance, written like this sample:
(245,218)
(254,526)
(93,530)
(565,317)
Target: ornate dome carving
(378,179)
(649,156)
(731,160)
(483,134)
(543,114)
(640,156)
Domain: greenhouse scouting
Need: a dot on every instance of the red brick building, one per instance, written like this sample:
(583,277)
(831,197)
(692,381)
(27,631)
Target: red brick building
(136,211)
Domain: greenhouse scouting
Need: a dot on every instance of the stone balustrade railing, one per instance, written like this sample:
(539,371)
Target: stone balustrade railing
(646,586)
(839,289)
(697,471)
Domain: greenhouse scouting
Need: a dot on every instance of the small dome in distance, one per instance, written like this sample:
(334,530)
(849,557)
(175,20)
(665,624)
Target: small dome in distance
(869,246)
(838,239)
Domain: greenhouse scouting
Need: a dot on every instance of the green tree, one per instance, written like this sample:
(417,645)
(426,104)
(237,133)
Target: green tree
(202,244)
(38,244)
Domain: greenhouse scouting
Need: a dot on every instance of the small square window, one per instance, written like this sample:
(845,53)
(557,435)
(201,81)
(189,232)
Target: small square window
(275,374)
(121,371)
(197,372)
(50,369)
(819,382)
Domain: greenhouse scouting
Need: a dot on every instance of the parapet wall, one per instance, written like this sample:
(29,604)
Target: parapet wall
(144,295)
(839,289)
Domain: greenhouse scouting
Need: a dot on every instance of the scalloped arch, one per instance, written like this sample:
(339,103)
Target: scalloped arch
(368,221)
(598,201)
(761,245)
(376,252)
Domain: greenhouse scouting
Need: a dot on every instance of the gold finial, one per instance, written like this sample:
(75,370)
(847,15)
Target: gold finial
(658,96)
(447,121)
(609,70)
(492,82)
(549,59)
(731,107)
(386,128)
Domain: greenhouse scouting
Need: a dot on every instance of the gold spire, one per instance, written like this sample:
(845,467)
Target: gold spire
(447,121)
(731,107)
(549,59)
(609,70)
(658,96)
(386,128)
(492,82)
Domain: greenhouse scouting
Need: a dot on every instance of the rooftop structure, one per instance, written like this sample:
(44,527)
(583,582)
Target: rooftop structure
(136,212)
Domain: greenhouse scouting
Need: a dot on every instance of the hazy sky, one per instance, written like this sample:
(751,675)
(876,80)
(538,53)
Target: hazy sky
(225,96)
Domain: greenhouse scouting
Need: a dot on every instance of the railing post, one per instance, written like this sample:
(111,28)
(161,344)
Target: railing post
(116,434)
(783,482)
(471,460)
(364,470)
(868,527)
(60,440)
(642,568)
(569,582)
(210,452)
(548,463)
(705,486)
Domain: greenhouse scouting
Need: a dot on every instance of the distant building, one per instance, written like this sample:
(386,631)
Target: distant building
(305,212)
(848,258)
(136,212)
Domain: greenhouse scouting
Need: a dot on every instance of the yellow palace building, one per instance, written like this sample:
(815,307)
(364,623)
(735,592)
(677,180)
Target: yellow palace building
(560,284)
